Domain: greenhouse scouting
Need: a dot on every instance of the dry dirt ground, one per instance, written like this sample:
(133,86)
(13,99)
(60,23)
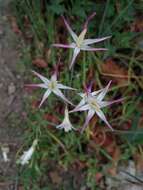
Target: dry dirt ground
(11,99)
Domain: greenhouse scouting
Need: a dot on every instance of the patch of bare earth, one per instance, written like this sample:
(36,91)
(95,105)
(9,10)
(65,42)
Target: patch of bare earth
(11,99)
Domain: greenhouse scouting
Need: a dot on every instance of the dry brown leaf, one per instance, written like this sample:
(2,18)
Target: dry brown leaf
(112,69)
(35,104)
(98,177)
(137,25)
(39,62)
(14,25)
(51,118)
(115,153)
(98,136)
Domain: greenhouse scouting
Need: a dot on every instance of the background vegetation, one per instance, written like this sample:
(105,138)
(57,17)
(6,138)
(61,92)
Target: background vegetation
(72,161)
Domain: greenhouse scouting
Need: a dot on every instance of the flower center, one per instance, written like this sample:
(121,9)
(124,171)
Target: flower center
(52,85)
(81,38)
(94,105)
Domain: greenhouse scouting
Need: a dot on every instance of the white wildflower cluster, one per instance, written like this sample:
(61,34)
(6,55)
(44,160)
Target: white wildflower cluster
(90,101)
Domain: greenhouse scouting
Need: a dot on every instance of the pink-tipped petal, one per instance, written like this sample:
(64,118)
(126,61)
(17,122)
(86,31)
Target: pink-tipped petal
(88,118)
(75,54)
(44,79)
(74,36)
(106,103)
(47,93)
(92,41)
(61,95)
(104,92)
(36,85)
(102,117)
(64,45)
(88,19)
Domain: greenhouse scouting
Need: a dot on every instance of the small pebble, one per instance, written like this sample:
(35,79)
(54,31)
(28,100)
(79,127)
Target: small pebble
(11,89)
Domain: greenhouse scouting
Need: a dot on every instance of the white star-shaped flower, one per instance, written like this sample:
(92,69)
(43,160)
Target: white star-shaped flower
(51,85)
(66,124)
(26,156)
(80,43)
(93,102)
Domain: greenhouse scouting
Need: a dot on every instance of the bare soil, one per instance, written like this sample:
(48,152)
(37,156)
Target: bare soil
(11,98)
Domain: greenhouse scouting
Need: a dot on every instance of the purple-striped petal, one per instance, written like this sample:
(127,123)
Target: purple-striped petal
(88,118)
(47,93)
(61,86)
(72,33)
(96,92)
(81,103)
(93,49)
(102,117)
(92,41)
(106,103)
(104,92)
(80,108)
(36,85)
(61,95)
(44,79)
(75,54)
(64,45)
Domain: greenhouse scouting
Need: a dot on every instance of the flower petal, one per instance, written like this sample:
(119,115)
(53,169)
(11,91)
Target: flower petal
(76,52)
(44,79)
(36,85)
(81,37)
(66,126)
(87,48)
(47,93)
(81,103)
(104,92)
(54,77)
(96,92)
(26,156)
(102,116)
(61,95)
(72,33)
(106,103)
(88,118)
(61,86)
(64,45)
(80,108)
(92,41)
